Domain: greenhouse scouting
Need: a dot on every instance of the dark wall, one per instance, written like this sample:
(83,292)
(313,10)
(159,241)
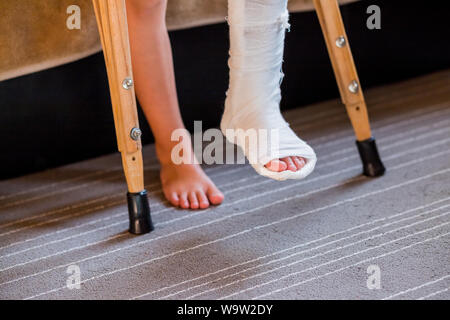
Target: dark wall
(63,114)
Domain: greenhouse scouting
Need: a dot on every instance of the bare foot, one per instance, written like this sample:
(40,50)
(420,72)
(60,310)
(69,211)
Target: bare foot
(289,163)
(187,186)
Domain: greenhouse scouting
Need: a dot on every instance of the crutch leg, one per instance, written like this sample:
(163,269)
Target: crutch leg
(112,25)
(349,86)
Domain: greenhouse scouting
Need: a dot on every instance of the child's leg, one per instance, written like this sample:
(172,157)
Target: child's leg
(257,30)
(184,185)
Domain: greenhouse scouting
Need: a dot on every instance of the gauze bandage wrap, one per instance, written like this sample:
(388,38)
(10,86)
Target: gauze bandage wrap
(257,32)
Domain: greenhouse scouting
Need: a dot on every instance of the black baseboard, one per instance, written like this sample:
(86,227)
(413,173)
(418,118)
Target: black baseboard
(63,115)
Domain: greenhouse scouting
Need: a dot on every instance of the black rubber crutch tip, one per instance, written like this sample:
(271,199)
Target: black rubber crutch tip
(372,165)
(139,212)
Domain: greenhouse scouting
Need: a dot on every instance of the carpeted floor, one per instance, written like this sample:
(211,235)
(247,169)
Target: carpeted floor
(335,235)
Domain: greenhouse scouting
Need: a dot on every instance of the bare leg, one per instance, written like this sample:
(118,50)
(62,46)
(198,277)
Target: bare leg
(184,185)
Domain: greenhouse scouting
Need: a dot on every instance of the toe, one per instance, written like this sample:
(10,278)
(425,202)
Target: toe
(214,195)
(299,162)
(184,203)
(290,164)
(193,200)
(202,199)
(173,199)
(276,165)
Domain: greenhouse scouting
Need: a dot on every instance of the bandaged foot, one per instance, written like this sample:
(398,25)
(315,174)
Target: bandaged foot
(257,32)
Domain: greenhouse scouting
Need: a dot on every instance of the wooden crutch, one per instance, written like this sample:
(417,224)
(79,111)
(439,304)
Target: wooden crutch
(349,86)
(113,28)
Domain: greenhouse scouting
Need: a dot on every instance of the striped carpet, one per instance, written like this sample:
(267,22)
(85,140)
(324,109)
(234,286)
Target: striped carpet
(335,235)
